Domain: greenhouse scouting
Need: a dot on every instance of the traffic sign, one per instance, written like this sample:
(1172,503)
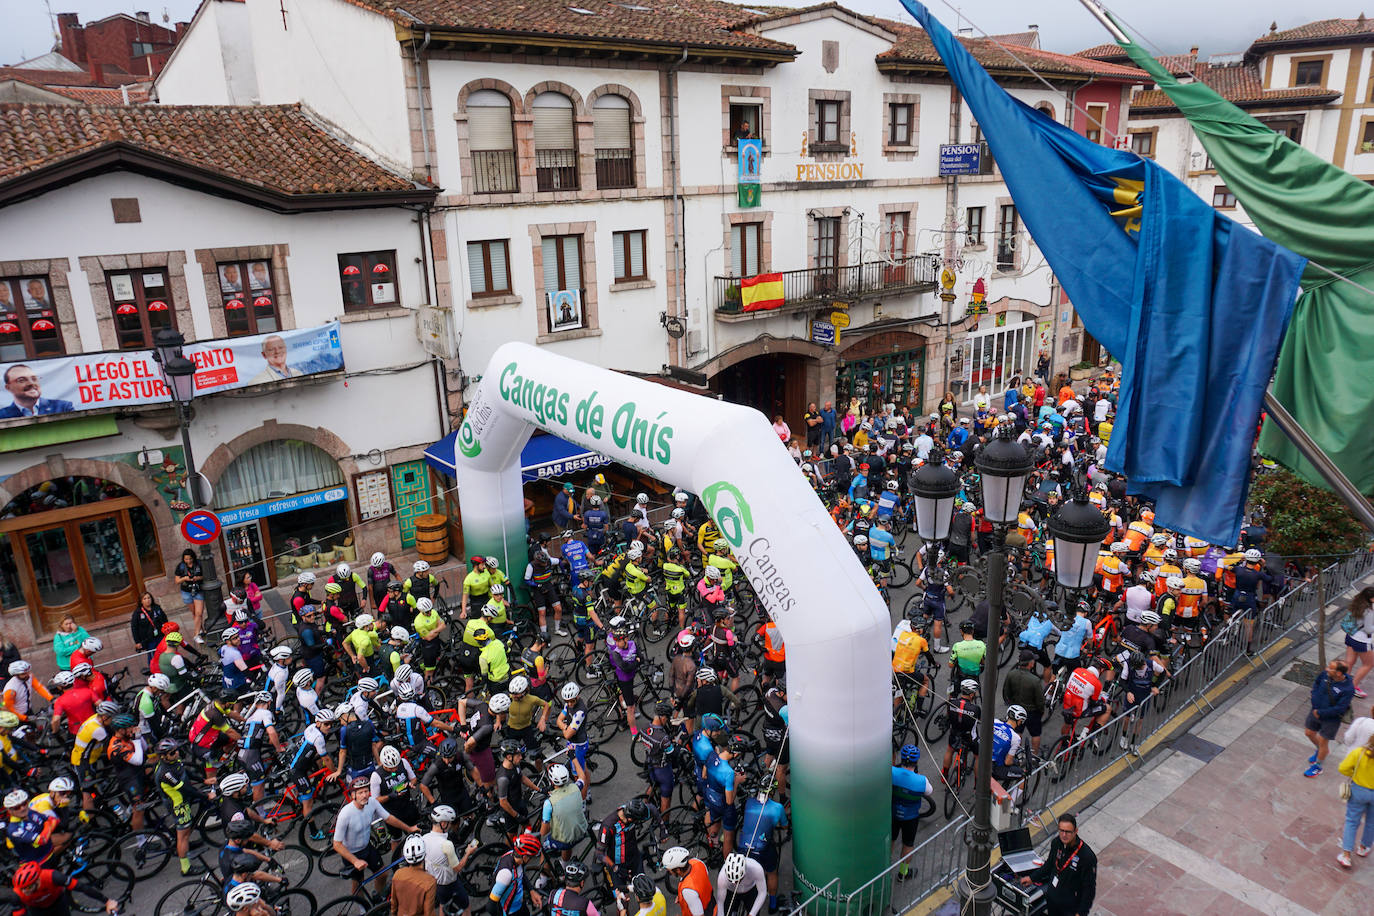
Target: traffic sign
(839,319)
(201,526)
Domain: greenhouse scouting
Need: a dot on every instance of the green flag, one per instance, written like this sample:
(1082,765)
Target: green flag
(750,195)
(1324,213)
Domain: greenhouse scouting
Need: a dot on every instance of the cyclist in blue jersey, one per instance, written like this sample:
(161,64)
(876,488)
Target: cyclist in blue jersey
(882,548)
(858,487)
(909,789)
(761,817)
(888,500)
(934,581)
(719,782)
(595,520)
(1038,628)
(1006,742)
(1070,647)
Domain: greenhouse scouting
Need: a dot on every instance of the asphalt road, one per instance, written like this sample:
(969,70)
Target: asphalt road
(605,798)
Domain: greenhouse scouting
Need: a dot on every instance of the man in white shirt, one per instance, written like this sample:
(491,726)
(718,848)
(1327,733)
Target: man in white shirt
(1100,409)
(1138,601)
(923,445)
(739,878)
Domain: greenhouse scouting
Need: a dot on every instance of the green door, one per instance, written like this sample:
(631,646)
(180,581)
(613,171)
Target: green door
(893,377)
(410,483)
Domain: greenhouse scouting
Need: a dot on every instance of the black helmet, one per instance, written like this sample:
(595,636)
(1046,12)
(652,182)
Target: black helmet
(966,626)
(240,828)
(643,887)
(738,744)
(244,861)
(574,872)
(637,809)
(448,748)
(511,748)
(663,708)
(1137,660)
(169,747)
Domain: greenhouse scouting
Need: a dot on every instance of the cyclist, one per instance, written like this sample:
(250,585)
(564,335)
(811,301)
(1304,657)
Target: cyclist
(259,731)
(1006,743)
(648,899)
(675,584)
(175,783)
(1083,700)
(719,783)
(445,781)
(312,751)
(563,820)
(278,675)
(543,592)
(741,887)
(521,723)
(300,596)
(421,584)
(46,891)
(1038,629)
(1141,674)
(908,647)
(129,752)
(617,839)
(245,899)
(511,783)
(351,589)
(353,833)
(394,608)
(624,657)
(909,789)
(364,646)
(442,861)
(508,888)
(72,701)
(963,716)
(572,720)
(569,900)
(762,815)
(492,662)
(1252,580)
(363,698)
(28,833)
(392,783)
(479,719)
(18,689)
(1070,646)
(232,809)
(966,656)
(89,747)
(359,743)
(313,643)
(307,697)
(586,622)
(1144,635)
(694,896)
(710,592)
(595,521)
(657,740)
(777,751)
(380,577)
(935,585)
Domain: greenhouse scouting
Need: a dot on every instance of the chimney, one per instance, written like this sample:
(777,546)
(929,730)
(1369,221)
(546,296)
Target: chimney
(1033,27)
(1193,50)
(97,71)
(71,37)
(142,16)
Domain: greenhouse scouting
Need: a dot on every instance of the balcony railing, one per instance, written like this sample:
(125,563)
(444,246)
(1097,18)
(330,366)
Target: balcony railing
(615,168)
(493,171)
(555,169)
(813,286)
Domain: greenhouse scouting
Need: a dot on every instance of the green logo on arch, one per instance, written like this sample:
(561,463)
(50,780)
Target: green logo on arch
(730,509)
(467,441)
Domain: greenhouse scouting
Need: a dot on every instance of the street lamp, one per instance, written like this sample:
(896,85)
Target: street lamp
(179,374)
(1004,465)
(934,486)
(1078,529)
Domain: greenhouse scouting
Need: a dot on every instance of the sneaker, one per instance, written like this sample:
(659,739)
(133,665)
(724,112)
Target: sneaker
(1135,750)
(561,630)
(1362,851)
(1360,693)
(201,640)
(942,649)
(1343,859)
(1123,743)
(634,732)
(1313,771)
(1313,758)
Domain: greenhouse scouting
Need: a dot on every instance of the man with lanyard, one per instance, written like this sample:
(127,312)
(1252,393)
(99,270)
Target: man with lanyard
(617,839)
(508,889)
(44,891)
(909,790)
(595,521)
(1070,867)
(761,817)
(694,894)
(18,688)
(740,887)
(563,819)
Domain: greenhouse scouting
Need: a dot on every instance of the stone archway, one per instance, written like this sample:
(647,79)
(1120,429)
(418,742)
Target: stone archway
(214,465)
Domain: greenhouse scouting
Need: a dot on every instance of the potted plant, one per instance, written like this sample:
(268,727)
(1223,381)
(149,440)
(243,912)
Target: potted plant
(1081,370)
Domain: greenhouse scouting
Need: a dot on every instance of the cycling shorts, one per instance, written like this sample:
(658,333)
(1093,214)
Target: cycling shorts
(1092,711)
(931,608)
(662,777)
(767,855)
(542,595)
(253,766)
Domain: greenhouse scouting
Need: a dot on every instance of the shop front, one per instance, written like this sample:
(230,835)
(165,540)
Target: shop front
(883,369)
(76,545)
(1003,346)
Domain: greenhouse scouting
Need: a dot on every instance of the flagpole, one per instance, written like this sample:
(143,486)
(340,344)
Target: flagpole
(1101,16)
(1309,449)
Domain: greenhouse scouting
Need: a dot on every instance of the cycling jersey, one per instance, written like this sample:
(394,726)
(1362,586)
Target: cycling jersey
(17,695)
(880,544)
(565,813)
(1191,596)
(90,740)
(1005,742)
(908,789)
(426,623)
(312,749)
(208,726)
(1082,688)
(1037,628)
(522,711)
(492,662)
(77,704)
(1071,640)
(907,648)
(508,887)
(229,660)
(727,569)
(365,642)
(963,716)
(634,579)
(760,819)
(392,782)
(356,740)
(418,586)
(29,835)
(656,741)
(477,586)
(720,780)
(500,611)
(1138,533)
(674,578)
(255,729)
(967,655)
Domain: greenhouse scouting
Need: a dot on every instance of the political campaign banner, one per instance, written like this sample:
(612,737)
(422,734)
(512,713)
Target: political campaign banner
(91,381)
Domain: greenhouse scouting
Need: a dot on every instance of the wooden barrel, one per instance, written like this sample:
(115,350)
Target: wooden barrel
(431,537)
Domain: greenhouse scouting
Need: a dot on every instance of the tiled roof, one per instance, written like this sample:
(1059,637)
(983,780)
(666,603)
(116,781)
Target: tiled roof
(1027,39)
(1323,28)
(914,46)
(113,77)
(98,95)
(1106,51)
(276,147)
(1177,64)
(702,24)
(1238,83)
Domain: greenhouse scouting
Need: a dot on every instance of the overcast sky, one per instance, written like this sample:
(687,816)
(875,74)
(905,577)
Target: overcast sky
(1174,25)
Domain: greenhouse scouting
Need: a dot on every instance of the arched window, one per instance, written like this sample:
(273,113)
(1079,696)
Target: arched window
(274,470)
(555,143)
(615,160)
(491,139)
(1047,109)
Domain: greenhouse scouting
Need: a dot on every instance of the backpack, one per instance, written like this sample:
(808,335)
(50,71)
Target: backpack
(1350,625)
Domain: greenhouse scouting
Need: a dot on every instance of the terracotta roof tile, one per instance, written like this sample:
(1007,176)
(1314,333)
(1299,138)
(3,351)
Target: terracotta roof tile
(274,147)
(913,45)
(1322,28)
(114,77)
(1027,39)
(98,95)
(1238,83)
(705,24)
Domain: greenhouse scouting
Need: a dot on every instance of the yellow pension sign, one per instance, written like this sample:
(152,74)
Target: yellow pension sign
(839,319)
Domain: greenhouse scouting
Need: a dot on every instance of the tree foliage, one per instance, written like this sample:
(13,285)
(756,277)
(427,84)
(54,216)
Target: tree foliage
(1304,521)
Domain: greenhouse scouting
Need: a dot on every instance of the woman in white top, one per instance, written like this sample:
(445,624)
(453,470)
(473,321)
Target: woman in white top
(1359,637)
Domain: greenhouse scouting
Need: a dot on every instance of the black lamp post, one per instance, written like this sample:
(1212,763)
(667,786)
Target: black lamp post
(1078,529)
(179,374)
(1004,464)
(935,487)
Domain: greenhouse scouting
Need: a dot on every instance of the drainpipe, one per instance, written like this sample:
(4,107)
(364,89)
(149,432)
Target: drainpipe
(951,230)
(417,56)
(679,217)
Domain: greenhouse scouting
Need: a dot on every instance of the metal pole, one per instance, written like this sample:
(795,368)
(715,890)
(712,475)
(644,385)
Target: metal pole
(1101,16)
(976,884)
(211,589)
(1308,447)
(1321,617)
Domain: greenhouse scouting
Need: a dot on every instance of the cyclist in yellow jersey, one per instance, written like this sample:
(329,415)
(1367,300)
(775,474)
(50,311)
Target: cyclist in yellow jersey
(675,584)
(363,645)
(476,586)
(1026,525)
(497,606)
(721,560)
(634,579)
(707,534)
(10,764)
(57,803)
(1194,547)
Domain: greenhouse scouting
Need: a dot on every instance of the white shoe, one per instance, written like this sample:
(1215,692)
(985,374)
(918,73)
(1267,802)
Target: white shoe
(1135,750)
(1123,743)
(942,649)
(201,640)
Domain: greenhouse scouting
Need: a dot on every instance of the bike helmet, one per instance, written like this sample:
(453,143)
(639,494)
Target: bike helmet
(333,588)
(738,744)
(16,797)
(712,722)
(643,887)
(403,690)
(400,634)
(642,499)
(360,782)
(443,814)
(170,626)
(966,626)
(1170,554)
(173,639)
(244,862)
(107,708)
(482,637)
(342,571)
(229,634)
(413,850)
(1136,659)
(424,606)
(92,644)
(713,573)
(734,868)
(389,757)
(20,667)
(362,621)
(169,747)
(1173,582)
(242,896)
(367,683)
(233,784)
(670,524)
(595,501)
(493,564)
(1159,539)
(1253,556)
(8,719)
(706,675)
(421,566)
(891,486)
(679,514)
(519,686)
(492,610)
(498,590)
(262,696)
(28,875)
(64,679)
(1192,566)
(968,685)
(403,671)
(510,748)
(526,844)
(636,550)
(676,857)
(123,720)
(448,748)
(303,678)
(569,692)
(663,709)
(305,578)
(498,703)
(1120,547)
(637,809)
(394,586)
(860,540)
(558,775)
(241,615)
(1016,713)
(278,654)
(326,715)
(1149,617)
(911,753)
(685,639)
(574,873)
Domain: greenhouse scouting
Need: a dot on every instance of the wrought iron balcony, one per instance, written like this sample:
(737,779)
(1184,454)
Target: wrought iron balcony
(493,171)
(815,286)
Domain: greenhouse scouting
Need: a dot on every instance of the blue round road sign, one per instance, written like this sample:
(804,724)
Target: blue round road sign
(201,526)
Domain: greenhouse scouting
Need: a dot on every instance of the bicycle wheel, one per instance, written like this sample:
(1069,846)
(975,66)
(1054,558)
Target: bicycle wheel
(936,726)
(358,905)
(482,869)
(294,863)
(653,629)
(317,830)
(593,669)
(901,574)
(436,697)
(144,851)
(601,767)
(751,704)
(1007,651)
(197,897)
(686,825)
(605,716)
(115,881)
(333,865)
(295,902)
(561,660)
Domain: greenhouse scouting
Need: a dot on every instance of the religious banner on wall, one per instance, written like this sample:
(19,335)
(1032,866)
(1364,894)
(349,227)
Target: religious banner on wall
(90,381)
(750,172)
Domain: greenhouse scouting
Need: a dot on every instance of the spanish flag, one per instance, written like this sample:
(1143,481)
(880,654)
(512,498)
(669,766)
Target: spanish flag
(760,293)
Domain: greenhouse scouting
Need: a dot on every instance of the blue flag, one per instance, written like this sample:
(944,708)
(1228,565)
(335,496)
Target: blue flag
(1193,304)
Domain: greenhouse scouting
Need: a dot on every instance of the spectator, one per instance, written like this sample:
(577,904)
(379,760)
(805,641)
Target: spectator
(781,429)
(1359,636)
(827,424)
(146,624)
(1331,696)
(981,401)
(67,640)
(1359,766)
(813,420)
(565,507)
(1070,870)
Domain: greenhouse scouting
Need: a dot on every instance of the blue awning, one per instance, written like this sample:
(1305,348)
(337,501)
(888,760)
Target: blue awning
(544,456)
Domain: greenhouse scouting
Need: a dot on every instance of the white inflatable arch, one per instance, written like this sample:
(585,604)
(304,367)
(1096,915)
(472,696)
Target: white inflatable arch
(834,623)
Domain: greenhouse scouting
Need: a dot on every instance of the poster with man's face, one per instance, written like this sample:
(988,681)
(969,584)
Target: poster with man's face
(229,279)
(259,276)
(36,295)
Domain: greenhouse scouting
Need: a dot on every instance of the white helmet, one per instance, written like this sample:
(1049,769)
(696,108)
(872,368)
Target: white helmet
(1120,547)
(424,605)
(1149,617)
(92,644)
(497,590)
(443,814)
(229,633)
(679,514)
(400,634)
(326,715)
(403,672)
(421,566)
(968,685)
(642,499)
(390,757)
(1253,556)
(1173,582)
(62,784)
(595,501)
(733,870)
(82,670)
(159,682)
(367,683)
(20,667)
(1159,539)
(498,703)
(344,709)
(713,573)
(891,486)
(16,798)
(378,559)
(404,690)
(241,615)
(860,540)
(64,679)
(558,775)
(636,550)
(303,678)
(233,783)
(685,639)
(679,496)
(1192,565)
(342,571)
(414,850)
(493,563)
(362,621)
(676,857)
(519,685)
(569,692)
(306,578)
(670,524)
(242,896)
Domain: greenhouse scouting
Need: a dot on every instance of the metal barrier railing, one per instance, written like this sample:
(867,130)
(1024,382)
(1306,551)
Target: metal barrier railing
(939,859)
